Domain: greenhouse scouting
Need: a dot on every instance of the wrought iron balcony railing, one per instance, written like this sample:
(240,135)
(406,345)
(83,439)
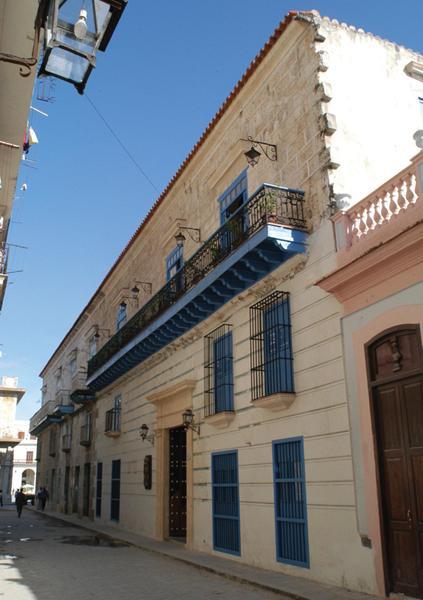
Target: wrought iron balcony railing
(269,205)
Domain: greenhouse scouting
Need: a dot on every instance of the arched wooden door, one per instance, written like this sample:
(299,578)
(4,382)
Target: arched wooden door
(395,368)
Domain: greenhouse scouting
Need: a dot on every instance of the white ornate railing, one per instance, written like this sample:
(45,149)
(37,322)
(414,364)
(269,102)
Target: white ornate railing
(385,205)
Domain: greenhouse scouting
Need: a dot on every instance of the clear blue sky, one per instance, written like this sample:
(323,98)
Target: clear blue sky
(167,70)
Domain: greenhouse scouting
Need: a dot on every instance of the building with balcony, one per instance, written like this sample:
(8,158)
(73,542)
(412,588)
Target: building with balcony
(379,282)
(212,366)
(12,433)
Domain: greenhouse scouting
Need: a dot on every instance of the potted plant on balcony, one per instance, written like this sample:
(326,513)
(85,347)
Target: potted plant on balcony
(271,208)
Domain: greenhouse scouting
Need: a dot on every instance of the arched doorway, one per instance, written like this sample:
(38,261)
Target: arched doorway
(28,478)
(395,371)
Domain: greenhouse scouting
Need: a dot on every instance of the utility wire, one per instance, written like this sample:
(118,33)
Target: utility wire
(121,144)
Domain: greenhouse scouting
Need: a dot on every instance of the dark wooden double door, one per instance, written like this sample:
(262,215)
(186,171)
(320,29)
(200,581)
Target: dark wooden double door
(397,389)
(177,483)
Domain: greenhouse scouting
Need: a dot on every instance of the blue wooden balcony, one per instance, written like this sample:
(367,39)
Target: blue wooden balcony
(265,232)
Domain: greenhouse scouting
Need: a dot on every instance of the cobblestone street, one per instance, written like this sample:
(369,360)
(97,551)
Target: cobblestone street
(43,559)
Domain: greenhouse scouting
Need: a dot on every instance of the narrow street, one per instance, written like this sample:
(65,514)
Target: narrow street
(43,559)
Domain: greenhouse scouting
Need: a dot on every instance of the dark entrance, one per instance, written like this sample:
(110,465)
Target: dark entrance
(177,482)
(86,490)
(67,483)
(396,376)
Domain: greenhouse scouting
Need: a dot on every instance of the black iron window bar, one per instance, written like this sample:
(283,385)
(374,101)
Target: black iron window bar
(270,204)
(270,346)
(112,420)
(218,376)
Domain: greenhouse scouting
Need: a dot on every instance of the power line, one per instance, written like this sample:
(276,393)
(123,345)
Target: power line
(121,144)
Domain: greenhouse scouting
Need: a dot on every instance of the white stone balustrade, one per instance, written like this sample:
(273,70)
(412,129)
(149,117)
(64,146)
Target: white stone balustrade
(394,206)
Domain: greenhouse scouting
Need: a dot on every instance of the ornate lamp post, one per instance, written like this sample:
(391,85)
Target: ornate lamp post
(74,30)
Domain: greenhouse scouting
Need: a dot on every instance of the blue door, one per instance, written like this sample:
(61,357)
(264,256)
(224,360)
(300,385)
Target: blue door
(223,373)
(226,534)
(277,349)
(290,502)
(115,491)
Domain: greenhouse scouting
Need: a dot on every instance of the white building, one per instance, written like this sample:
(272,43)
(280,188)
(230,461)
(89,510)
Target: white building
(24,459)
(18,449)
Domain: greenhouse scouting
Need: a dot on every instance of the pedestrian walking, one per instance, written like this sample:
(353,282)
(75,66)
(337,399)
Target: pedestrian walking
(20,500)
(39,497)
(1,497)
(43,497)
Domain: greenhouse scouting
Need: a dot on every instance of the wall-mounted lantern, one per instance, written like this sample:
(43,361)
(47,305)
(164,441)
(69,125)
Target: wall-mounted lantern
(146,287)
(193,232)
(188,421)
(97,332)
(253,154)
(144,435)
(74,30)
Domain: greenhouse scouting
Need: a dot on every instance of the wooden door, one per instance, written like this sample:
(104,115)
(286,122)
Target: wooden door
(398,420)
(177,482)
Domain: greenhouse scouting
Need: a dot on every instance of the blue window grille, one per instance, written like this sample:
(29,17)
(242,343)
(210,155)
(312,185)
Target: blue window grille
(121,316)
(233,197)
(98,489)
(218,371)
(225,499)
(271,347)
(290,502)
(115,491)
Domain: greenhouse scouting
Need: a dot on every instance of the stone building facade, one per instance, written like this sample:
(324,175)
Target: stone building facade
(210,374)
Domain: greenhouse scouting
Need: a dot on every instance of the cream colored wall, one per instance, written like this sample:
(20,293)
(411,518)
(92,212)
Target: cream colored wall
(376,108)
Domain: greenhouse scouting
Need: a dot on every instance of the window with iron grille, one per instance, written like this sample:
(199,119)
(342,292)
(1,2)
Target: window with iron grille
(290,502)
(271,348)
(218,371)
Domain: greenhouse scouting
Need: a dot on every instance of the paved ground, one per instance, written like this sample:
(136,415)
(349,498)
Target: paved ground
(44,559)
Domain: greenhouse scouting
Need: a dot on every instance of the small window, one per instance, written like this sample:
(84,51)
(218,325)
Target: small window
(174,262)
(21,435)
(58,376)
(271,348)
(218,367)
(233,197)
(121,315)
(72,365)
(92,346)
(29,457)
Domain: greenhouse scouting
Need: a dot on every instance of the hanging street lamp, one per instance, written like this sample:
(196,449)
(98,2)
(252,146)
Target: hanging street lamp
(74,30)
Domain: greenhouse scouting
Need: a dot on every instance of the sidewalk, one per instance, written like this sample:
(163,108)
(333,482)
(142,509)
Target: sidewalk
(289,586)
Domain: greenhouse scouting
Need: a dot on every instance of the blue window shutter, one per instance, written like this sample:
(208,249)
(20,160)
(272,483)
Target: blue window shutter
(290,502)
(225,502)
(223,384)
(233,192)
(115,491)
(99,485)
(277,349)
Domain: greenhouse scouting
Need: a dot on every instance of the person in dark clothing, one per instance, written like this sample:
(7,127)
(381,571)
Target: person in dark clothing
(43,496)
(1,497)
(20,501)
